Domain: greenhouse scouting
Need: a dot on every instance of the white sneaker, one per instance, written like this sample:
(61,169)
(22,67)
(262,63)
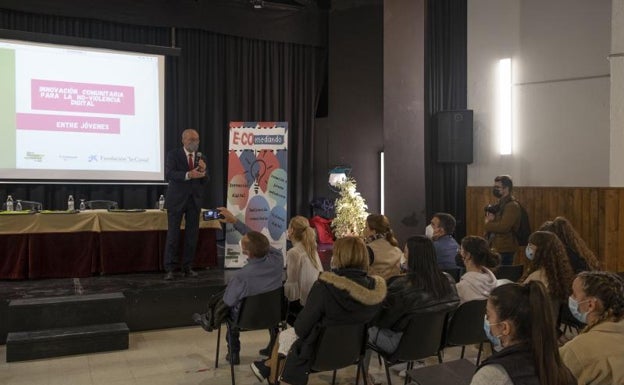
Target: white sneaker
(399,367)
(417,364)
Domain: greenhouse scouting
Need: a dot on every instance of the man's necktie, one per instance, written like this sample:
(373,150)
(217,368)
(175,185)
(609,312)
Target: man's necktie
(190,162)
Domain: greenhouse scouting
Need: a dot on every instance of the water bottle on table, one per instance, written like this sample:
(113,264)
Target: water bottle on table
(70,203)
(9,203)
(18,206)
(161,202)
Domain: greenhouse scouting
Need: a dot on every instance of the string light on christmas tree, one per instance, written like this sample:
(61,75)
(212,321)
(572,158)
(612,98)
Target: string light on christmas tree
(351,211)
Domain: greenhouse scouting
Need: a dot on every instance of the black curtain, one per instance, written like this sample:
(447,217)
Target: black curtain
(216,79)
(446,82)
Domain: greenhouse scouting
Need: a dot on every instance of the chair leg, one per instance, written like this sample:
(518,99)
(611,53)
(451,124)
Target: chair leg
(360,368)
(379,358)
(410,366)
(229,329)
(334,378)
(479,354)
(463,351)
(387,366)
(440,352)
(218,343)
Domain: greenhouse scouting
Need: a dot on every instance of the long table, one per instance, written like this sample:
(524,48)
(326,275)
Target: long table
(60,245)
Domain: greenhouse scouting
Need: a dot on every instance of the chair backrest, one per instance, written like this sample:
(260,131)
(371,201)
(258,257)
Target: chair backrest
(512,273)
(421,338)
(101,204)
(261,311)
(465,326)
(339,346)
(455,273)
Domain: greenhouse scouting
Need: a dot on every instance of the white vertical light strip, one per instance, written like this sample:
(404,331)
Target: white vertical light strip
(382,182)
(504,111)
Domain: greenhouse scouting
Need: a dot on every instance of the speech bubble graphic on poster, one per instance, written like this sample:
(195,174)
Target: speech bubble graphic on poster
(278,187)
(277,222)
(238,191)
(257,213)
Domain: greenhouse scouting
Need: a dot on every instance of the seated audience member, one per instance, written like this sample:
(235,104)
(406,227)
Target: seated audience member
(479,280)
(303,264)
(548,263)
(423,289)
(346,295)
(263,273)
(385,256)
(446,246)
(519,320)
(580,256)
(596,356)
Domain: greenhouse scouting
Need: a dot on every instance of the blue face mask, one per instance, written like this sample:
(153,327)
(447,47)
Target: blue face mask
(529,253)
(574,309)
(488,332)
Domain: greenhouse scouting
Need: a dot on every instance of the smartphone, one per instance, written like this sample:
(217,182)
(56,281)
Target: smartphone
(212,214)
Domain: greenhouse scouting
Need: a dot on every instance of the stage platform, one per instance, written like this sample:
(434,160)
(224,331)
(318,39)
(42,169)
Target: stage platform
(151,302)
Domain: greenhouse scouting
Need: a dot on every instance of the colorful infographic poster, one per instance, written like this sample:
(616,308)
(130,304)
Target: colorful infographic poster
(257,184)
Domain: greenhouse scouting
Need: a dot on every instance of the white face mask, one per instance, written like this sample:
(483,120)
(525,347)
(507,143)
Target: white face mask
(429,231)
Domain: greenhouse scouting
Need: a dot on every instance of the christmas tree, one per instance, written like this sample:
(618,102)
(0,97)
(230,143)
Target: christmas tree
(350,211)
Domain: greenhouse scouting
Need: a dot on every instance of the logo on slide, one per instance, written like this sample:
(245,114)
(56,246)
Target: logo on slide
(34,156)
(93,158)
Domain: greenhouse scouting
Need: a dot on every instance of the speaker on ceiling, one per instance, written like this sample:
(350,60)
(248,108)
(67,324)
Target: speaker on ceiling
(453,136)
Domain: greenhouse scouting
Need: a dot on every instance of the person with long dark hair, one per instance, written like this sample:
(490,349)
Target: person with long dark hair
(478,258)
(549,264)
(580,256)
(518,319)
(596,356)
(424,288)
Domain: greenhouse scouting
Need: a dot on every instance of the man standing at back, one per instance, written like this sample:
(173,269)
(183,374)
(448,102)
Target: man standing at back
(186,173)
(502,225)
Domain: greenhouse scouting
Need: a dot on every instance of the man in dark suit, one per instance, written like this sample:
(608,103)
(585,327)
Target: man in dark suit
(186,173)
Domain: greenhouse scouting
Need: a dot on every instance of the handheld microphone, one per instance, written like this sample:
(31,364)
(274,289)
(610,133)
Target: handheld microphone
(198,156)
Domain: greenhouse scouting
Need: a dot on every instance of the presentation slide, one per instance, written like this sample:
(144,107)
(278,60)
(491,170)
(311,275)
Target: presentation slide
(75,113)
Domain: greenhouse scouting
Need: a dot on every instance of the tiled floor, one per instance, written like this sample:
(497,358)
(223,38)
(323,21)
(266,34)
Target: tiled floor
(182,356)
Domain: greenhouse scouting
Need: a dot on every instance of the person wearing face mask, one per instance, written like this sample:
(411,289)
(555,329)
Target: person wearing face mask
(549,264)
(187,176)
(519,321)
(501,225)
(596,356)
(479,280)
(442,229)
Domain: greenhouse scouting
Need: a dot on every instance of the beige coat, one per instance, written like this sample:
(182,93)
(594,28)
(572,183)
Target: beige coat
(387,259)
(597,357)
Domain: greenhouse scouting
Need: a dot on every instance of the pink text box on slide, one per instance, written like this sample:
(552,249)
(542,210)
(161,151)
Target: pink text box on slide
(53,95)
(87,124)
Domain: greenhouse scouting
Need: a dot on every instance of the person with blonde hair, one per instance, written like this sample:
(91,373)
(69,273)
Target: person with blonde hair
(345,295)
(384,253)
(581,257)
(596,356)
(303,264)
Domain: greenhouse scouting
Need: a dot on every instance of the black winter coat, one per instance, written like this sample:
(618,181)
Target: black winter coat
(345,296)
(404,299)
